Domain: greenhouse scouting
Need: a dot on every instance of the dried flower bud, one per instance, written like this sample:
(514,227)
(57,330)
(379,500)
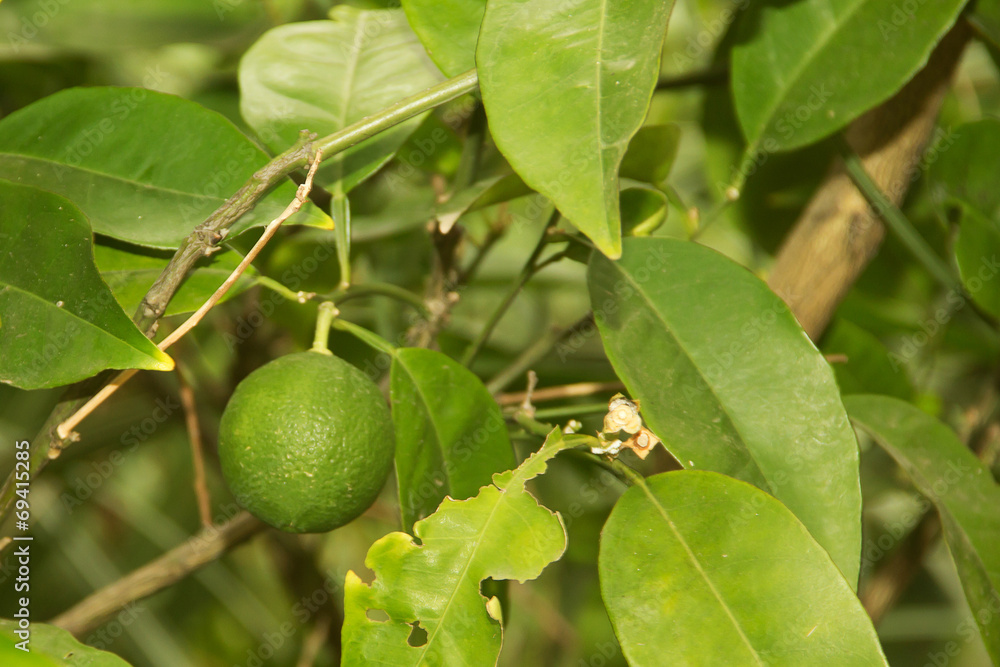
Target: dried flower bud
(623,415)
(642,442)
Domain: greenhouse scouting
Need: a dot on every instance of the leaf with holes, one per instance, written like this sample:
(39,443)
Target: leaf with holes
(144,167)
(700,569)
(322,76)
(960,486)
(730,382)
(450,433)
(566,86)
(502,533)
(59,322)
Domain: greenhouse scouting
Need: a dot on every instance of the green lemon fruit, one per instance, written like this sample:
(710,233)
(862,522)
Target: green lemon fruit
(306,442)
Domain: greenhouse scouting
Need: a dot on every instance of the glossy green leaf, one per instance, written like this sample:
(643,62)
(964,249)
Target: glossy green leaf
(962,489)
(566,86)
(730,382)
(701,569)
(986,17)
(450,433)
(651,154)
(144,167)
(322,76)
(59,322)
(50,646)
(502,533)
(802,70)
(131,271)
(977,252)
(448,29)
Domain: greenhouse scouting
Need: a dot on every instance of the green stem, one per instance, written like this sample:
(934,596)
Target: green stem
(896,221)
(530,268)
(533,354)
(367,337)
(279,288)
(211,232)
(532,425)
(381,289)
(326,315)
(341,209)
(571,410)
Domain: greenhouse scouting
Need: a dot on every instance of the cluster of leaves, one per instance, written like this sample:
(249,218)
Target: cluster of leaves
(751,552)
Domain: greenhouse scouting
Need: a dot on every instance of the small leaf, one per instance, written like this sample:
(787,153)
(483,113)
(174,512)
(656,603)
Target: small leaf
(322,76)
(450,433)
(131,271)
(60,323)
(145,167)
(502,533)
(448,29)
(50,647)
(802,70)
(960,486)
(651,154)
(486,192)
(700,569)
(565,86)
(729,382)
(644,209)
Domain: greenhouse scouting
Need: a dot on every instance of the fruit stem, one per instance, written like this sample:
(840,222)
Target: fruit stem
(327,313)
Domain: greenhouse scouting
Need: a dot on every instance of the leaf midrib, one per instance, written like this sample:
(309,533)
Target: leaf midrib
(697,564)
(708,385)
(802,65)
(112,177)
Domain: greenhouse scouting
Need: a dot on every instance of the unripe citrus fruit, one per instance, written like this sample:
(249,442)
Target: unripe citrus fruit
(306,442)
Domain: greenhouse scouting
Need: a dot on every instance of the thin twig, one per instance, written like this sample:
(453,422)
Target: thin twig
(534,353)
(168,569)
(562,391)
(301,194)
(204,238)
(197,451)
(531,267)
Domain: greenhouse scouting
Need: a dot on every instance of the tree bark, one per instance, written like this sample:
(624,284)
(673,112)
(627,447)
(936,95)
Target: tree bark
(838,233)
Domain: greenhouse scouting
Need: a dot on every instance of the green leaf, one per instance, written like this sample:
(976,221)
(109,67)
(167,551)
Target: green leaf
(481,194)
(450,433)
(803,70)
(868,368)
(651,154)
(565,86)
(448,29)
(961,488)
(322,76)
(59,322)
(50,646)
(700,569)
(963,176)
(131,271)
(644,208)
(730,382)
(502,533)
(145,167)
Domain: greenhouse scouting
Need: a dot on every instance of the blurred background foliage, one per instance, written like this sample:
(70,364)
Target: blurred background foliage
(124,496)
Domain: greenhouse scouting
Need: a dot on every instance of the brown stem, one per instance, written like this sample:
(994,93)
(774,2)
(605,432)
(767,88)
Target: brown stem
(168,569)
(201,493)
(562,391)
(838,234)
